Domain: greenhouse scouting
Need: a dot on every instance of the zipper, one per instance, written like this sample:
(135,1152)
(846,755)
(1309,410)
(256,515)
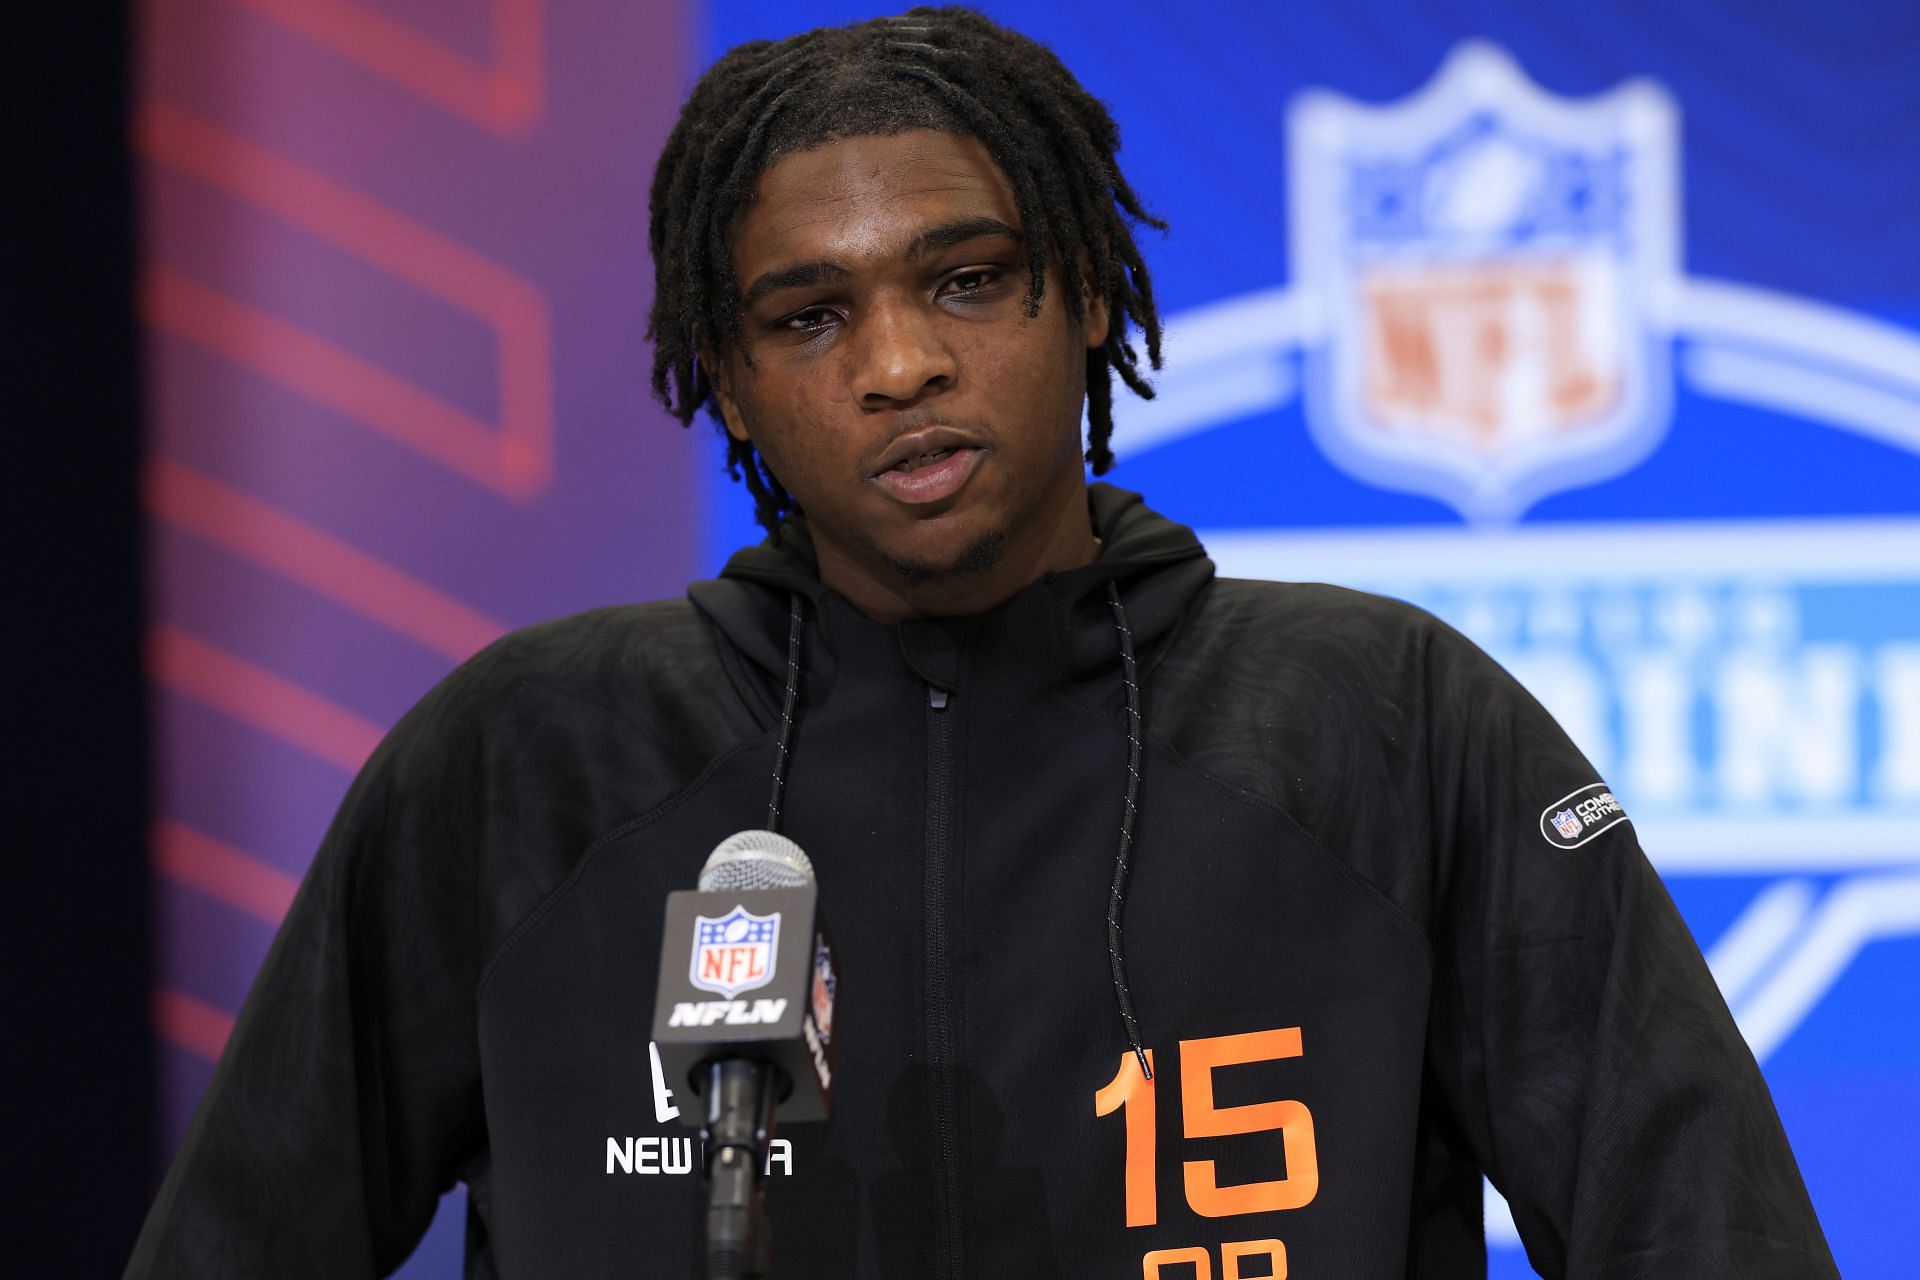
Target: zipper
(943,1057)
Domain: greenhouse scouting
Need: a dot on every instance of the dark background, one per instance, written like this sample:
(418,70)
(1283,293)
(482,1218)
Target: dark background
(79,1095)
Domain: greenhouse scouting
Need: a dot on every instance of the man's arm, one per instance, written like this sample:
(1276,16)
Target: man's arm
(1577,1033)
(348,1094)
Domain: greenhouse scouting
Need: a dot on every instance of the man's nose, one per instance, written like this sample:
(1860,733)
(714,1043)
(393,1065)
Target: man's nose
(901,357)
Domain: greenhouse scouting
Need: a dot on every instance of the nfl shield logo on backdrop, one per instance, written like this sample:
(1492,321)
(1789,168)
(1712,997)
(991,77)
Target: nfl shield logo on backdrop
(735,952)
(1484,270)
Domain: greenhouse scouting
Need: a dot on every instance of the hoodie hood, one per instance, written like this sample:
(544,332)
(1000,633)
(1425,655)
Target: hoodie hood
(1158,566)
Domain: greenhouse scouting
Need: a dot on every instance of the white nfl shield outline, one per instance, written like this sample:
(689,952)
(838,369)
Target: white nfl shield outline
(1567,823)
(735,952)
(1485,272)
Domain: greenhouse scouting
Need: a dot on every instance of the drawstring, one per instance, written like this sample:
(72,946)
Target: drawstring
(1117,896)
(794,628)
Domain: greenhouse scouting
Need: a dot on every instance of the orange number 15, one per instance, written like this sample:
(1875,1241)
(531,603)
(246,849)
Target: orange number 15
(1132,1094)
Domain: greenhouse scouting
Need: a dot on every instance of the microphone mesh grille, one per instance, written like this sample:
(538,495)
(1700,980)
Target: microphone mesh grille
(755,860)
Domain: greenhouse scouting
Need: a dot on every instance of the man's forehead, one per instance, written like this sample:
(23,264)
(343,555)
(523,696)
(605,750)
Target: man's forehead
(873,195)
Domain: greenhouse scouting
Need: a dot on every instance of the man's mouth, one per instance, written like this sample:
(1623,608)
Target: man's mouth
(934,476)
(907,466)
(929,446)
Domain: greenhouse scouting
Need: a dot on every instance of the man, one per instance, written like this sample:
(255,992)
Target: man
(1186,926)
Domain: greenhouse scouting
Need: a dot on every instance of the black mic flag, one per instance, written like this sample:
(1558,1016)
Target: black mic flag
(743,1016)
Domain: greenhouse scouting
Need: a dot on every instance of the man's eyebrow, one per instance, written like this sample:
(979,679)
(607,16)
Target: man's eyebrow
(804,275)
(807,275)
(960,231)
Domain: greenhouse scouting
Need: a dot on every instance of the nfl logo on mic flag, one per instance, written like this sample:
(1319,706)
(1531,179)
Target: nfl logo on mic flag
(735,952)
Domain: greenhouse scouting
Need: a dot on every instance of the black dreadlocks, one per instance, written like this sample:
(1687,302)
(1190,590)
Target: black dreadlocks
(948,69)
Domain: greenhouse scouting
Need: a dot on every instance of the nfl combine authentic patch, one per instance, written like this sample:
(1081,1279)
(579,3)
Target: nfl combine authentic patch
(1579,816)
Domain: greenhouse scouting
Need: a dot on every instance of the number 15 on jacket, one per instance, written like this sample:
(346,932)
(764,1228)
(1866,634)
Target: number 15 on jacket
(1132,1094)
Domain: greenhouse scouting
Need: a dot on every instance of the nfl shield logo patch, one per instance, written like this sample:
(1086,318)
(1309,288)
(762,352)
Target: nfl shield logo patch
(735,952)
(1567,823)
(825,986)
(1484,268)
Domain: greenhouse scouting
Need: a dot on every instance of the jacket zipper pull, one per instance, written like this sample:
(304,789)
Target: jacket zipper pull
(936,697)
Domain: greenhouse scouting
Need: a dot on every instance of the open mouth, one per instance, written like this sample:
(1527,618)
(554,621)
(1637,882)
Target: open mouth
(929,477)
(907,466)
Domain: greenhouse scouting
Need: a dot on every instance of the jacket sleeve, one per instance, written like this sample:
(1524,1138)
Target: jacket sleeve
(1576,1032)
(348,1094)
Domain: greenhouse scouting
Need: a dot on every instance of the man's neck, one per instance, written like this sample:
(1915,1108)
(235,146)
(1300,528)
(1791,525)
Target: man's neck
(886,593)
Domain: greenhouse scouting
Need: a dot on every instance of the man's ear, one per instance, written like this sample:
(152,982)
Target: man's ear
(718,378)
(1094,326)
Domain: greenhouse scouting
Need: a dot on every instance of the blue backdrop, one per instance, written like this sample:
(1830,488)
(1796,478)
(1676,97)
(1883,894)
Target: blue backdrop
(1595,329)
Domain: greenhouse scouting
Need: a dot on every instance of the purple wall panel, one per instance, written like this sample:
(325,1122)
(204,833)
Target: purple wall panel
(394,286)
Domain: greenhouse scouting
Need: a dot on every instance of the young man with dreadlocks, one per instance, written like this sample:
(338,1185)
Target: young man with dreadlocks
(1385,933)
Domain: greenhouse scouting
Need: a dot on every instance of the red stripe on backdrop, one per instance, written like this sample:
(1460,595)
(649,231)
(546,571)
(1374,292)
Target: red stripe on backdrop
(316,368)
(514,459)
(256,696)
(317,560)
(506,97)
(220,871)
(190,1023)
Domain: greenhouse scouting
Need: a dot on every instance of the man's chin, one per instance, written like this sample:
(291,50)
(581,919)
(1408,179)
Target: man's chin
(976,557)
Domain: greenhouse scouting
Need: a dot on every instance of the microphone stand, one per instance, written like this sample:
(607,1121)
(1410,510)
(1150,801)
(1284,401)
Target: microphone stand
(740,1102)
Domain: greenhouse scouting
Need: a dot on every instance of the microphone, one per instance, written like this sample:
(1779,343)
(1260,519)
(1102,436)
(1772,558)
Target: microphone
(743,1016)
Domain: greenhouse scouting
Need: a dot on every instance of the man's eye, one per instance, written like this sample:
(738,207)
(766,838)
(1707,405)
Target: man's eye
(971,281)
(808,321)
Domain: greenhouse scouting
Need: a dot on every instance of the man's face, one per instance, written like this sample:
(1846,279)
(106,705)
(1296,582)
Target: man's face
(929,428)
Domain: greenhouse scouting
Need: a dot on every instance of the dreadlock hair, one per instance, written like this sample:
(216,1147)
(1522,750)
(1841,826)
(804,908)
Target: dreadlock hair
(948,69)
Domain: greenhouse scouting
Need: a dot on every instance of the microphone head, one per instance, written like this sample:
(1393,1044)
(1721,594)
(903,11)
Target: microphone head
(755,860)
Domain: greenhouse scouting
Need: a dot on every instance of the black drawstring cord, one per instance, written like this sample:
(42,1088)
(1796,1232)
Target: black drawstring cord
(794,628)
(1117,897)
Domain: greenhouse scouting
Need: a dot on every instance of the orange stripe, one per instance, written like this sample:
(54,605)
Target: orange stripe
(337,214)
(519,86)
(317,560)
(190,1023)
(516,459)
(258,697)
(505,97)
(221,871)
(318,369)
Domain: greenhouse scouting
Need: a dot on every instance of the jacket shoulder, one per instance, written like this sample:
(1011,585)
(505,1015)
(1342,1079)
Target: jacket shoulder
(1308,603)
(1349,641)
(1266,674)
(630,662)
(630,697)
(547,739)
(581,646)
(1320,701)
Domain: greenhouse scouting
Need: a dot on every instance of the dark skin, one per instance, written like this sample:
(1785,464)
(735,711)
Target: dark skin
(884,281)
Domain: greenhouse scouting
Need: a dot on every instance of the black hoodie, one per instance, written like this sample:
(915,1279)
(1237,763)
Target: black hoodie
(1386,932)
